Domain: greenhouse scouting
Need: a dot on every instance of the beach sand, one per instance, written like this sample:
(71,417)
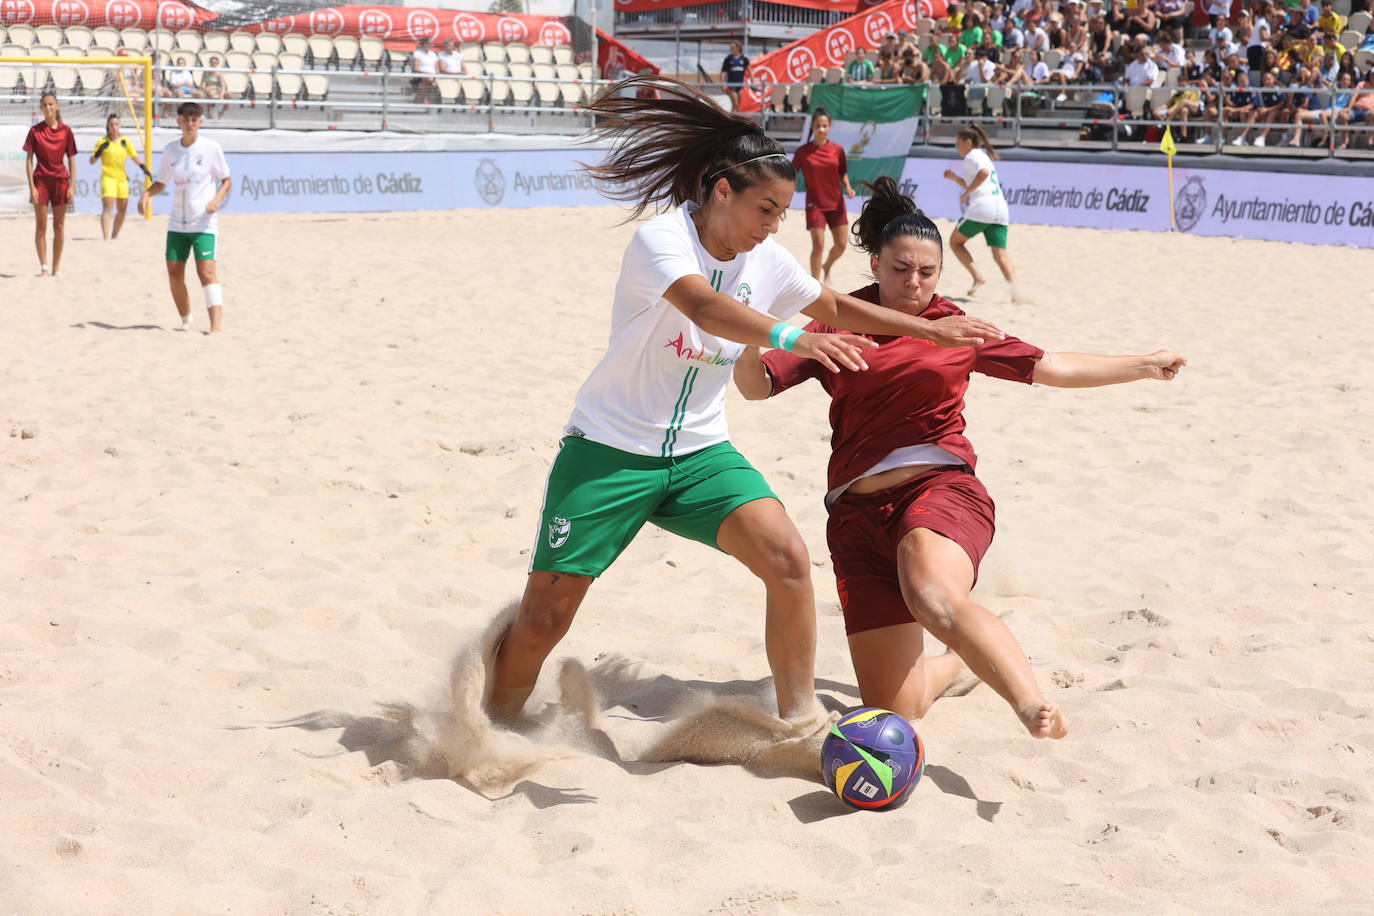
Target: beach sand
(238,569)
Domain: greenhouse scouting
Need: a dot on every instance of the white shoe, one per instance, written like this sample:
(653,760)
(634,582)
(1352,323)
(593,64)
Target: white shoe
(1259,141)
(1205,139)
(1240,141)
(1061,97)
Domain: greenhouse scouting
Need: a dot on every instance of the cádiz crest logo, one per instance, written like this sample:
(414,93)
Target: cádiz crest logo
(559,529)
(491,183)
(1190,204)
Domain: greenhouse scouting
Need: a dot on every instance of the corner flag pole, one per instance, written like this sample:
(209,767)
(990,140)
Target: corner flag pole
(1168,148)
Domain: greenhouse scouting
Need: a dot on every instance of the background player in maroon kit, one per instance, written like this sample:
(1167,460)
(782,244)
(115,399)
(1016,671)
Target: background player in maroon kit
(909,521)
(50,181)
(823,165)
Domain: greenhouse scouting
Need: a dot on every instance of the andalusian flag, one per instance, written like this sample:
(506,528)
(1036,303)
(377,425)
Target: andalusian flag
(875,126)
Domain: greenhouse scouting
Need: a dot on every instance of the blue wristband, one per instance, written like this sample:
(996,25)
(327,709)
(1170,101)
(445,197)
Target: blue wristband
(784,336)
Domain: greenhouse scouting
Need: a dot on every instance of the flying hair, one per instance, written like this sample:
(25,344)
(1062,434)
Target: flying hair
(672,144)
(889,214)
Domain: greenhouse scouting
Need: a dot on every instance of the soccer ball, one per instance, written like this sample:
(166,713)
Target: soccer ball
(872,758)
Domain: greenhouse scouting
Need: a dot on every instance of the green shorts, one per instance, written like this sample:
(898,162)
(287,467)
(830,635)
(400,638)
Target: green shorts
(996,232)
(599,497)
(181,244)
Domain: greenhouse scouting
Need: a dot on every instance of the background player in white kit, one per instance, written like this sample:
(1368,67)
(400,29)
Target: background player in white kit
(195,169)
(985,208)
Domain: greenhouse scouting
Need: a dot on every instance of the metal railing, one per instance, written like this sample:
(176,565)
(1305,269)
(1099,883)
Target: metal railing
(1031,116)
(358,100)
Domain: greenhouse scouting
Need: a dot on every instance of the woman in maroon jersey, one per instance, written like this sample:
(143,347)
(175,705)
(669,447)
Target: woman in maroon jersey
(826,171)
(51,183)
(909,521)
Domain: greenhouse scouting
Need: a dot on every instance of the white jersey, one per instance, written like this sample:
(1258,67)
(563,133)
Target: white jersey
(986,204)
(192,175)
(660,388)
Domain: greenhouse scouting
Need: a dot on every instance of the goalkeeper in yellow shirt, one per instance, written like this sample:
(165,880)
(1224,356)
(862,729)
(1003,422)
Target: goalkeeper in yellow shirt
(112,151)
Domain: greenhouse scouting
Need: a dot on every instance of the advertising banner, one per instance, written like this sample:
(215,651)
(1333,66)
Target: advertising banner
(1317,209)
(361,182)
(792,63)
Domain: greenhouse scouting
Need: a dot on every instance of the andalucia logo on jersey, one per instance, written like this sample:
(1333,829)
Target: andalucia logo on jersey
(743,293)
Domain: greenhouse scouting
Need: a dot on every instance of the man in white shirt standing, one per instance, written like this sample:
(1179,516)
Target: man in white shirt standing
(195,170)
(425,63)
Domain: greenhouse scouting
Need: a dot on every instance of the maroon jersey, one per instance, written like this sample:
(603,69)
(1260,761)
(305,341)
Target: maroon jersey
(822,167)
(912,393)
(49,145)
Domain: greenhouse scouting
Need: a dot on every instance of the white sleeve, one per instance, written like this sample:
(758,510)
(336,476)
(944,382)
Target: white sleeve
(796,288)
(655,259)
(220,167)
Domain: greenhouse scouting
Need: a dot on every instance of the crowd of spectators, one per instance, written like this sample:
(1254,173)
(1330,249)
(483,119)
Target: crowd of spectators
(1278,72)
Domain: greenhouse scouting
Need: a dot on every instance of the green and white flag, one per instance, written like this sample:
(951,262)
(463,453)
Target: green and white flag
(875,126)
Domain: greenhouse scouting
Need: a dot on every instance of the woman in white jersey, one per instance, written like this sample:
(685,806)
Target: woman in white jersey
(984,208)
(647,440)
(198,174)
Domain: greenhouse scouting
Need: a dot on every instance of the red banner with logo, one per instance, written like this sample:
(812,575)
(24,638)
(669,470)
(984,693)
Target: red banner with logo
(614,57)
(827,48)
(399,26)
(844,6)
(402,26)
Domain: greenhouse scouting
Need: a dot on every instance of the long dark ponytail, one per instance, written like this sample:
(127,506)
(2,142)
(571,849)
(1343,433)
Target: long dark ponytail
(975,135)
(889,214)
(670,146)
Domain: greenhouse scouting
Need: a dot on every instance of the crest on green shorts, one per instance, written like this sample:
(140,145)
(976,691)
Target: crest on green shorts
(559,529)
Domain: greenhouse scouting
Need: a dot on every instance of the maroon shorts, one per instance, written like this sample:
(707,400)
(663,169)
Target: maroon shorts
(51,190)
(865,529)
(816,218)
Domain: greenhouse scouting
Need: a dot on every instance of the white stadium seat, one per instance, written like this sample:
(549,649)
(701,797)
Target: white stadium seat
(245,42)
(372,51)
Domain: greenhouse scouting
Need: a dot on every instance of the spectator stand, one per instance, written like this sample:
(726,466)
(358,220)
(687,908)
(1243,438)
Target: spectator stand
(1120,90)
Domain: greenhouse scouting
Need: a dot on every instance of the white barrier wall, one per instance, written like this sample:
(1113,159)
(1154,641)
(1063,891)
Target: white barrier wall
(1283,206)
(1319,209)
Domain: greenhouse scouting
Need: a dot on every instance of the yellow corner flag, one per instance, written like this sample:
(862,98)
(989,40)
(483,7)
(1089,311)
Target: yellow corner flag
(1166,143)
(1169,148)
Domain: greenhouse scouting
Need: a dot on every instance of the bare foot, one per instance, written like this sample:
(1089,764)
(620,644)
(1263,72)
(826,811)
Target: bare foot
(1045,720)
(977,285)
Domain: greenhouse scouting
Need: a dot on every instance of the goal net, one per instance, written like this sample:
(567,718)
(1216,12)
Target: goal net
(89,90)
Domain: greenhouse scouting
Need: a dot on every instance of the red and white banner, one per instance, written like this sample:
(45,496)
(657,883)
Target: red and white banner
(119,14)
(844,6)
(793,63)
(403,26)
(398,26)
(614,58)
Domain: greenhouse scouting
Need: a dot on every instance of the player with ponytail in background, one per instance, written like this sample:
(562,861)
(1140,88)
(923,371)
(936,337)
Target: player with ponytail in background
(111,152)
(984,208)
